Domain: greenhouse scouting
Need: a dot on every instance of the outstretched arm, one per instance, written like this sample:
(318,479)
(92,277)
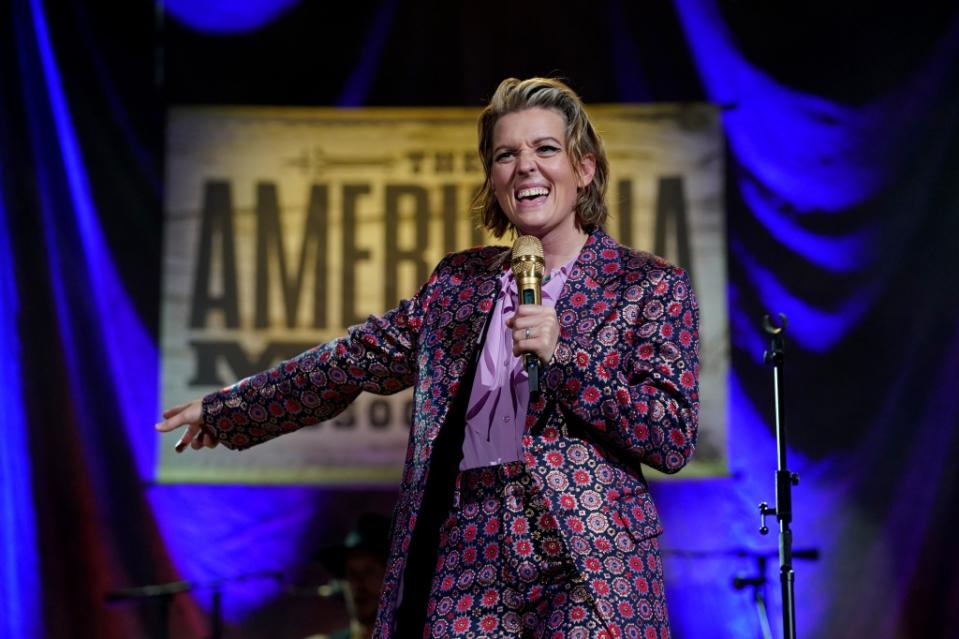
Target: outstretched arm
(378,356)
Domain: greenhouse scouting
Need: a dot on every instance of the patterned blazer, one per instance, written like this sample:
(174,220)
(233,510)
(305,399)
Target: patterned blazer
(621,390)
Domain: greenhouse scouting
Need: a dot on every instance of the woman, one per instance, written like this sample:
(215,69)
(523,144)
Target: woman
(517,515)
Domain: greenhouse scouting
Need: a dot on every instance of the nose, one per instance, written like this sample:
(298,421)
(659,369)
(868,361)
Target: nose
(526,162)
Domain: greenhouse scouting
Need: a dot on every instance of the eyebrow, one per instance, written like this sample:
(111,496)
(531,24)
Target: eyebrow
(545,138)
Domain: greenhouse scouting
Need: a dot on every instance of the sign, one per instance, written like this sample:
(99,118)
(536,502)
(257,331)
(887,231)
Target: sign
(284,226)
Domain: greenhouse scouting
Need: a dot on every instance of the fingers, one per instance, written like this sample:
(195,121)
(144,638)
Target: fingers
(532,315)
(199,441)
(209,440)
(531,335)
(203,438)
(535,329)
(539,340)
(170,412)
(196,437)
(190,415)
(172,422)
(525,334)
(186,439)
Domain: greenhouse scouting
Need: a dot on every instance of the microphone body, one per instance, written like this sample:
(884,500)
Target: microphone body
(528,266)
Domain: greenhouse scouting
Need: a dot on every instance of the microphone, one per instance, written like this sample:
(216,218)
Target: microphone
(528,267)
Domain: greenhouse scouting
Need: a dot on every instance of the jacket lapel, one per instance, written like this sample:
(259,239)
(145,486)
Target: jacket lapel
(589,295)
(469,330)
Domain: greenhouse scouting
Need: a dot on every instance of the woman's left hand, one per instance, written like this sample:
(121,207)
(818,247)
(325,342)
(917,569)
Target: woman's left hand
(535,330)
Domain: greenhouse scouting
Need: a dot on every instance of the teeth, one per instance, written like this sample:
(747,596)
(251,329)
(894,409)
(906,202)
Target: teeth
(532,192)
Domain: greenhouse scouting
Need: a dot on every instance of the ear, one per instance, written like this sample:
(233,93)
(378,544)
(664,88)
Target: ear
(587,168)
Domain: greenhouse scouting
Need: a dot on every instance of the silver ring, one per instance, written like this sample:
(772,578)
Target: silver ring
(527,333)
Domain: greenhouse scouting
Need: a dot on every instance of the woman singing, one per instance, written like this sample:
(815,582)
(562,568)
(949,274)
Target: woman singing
(520,514)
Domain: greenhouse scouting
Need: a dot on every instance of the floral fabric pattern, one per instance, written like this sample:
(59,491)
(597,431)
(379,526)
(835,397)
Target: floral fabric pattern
(621,391)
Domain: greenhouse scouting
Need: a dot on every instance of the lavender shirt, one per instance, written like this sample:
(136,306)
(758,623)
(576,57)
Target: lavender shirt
(496,415)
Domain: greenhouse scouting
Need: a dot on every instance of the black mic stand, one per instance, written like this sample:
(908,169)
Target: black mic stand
(757,582)
(161,593)
(785,480)
(164,593)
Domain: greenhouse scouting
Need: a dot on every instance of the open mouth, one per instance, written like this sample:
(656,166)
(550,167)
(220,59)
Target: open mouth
(532,194)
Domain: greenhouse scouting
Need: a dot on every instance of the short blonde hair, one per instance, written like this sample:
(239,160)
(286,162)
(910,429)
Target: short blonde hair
(581,140)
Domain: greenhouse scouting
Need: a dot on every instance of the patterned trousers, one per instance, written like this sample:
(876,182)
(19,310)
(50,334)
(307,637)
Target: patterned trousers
(503,570)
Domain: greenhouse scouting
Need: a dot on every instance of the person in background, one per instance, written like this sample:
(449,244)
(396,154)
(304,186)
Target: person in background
(360,564)
(519,514)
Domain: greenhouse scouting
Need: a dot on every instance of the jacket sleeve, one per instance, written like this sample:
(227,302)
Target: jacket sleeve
(638,383)
(378,356)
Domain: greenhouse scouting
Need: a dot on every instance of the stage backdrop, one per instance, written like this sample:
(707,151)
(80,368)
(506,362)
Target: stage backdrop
(284,226)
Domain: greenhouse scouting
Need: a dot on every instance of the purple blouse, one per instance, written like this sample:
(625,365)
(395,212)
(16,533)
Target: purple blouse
(496,415)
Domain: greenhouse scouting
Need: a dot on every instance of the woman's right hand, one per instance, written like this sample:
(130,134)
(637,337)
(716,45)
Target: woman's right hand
(190,415)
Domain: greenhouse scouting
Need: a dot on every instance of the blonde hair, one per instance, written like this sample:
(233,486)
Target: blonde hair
(514,95)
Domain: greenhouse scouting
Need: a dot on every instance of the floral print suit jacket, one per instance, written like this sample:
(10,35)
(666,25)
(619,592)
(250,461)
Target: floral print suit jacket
(621,390)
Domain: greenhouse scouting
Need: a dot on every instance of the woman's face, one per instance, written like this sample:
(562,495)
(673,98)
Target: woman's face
(532,175)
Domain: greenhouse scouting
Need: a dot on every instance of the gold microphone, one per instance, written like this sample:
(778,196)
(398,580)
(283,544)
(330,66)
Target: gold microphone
(528,267)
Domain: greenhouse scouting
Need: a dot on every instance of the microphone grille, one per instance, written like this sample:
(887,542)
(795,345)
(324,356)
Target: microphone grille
(528,256)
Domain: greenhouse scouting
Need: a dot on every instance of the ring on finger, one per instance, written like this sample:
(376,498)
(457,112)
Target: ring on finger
(528,333)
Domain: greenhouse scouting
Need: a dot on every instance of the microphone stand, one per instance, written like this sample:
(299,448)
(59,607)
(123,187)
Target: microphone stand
(756,582)
(164,594)
(785,479)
